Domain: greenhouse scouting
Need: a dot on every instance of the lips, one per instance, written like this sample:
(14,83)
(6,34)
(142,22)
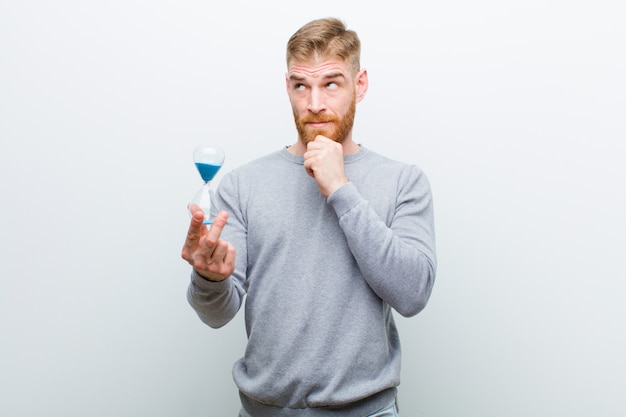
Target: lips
(317,124)
(318,121)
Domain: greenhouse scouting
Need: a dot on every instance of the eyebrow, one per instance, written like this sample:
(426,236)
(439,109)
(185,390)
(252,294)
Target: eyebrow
(329,76)
(334,75)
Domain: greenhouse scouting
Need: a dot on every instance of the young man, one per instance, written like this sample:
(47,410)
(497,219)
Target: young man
(324,238)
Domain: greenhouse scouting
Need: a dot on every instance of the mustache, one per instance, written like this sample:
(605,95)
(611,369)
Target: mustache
(318,118)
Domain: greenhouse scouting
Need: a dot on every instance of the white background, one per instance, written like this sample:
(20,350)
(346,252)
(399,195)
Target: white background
(515,110)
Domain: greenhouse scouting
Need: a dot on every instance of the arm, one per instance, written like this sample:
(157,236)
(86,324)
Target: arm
(397,261)
(215,302)
(214,291)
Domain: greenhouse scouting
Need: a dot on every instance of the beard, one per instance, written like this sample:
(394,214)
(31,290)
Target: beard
(337,131)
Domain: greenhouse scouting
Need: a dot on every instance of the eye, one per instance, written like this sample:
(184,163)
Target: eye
(332,86)
(299,87)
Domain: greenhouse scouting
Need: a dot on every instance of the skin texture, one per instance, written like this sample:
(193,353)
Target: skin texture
(212,257)
(323,93)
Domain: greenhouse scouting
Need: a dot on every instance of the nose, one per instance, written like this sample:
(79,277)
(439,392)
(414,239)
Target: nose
(316,101)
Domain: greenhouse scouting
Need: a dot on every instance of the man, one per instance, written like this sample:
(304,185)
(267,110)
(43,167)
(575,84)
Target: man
(324,238)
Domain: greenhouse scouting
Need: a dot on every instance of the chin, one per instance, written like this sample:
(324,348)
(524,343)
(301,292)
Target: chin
(310,137)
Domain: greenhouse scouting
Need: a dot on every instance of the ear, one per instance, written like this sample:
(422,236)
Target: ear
(287,84)
(361,84)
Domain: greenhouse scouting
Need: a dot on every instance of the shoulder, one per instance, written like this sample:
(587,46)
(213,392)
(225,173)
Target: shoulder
(264,161)
(385,164)
(276,164)
(256,166)
(391,176)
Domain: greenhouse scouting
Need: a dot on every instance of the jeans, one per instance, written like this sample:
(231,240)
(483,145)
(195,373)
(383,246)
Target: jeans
(389,411)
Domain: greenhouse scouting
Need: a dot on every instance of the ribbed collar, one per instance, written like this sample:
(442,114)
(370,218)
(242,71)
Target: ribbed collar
(348,159)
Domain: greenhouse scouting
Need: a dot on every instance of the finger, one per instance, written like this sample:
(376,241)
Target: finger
(193,207)
(216,228)
(308,167)
(322,139)
(229,259)
(225,265)
(313,147)
(195,226)
(220,252)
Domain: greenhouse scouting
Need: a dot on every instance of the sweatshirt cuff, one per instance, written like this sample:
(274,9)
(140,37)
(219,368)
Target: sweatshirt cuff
(209,286)
(344,199)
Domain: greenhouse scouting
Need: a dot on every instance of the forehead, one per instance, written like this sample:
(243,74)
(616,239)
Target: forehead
(318,68)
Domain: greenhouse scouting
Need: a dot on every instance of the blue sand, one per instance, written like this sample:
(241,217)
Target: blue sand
(207,171)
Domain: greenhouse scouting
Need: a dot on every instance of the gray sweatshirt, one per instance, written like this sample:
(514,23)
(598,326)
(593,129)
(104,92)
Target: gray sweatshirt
(321,277)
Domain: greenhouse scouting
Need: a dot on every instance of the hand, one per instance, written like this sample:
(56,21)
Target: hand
(211,257)
(323,160)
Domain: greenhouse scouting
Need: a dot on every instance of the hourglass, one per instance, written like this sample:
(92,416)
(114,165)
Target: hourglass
(208,160)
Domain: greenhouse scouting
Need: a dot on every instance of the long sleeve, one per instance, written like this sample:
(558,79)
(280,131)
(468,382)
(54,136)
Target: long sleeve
(217,303)
(397,254)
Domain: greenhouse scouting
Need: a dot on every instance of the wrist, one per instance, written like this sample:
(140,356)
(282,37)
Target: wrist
(207,276)
(337,186)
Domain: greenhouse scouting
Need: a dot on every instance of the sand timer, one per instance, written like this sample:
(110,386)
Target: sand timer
(208,160)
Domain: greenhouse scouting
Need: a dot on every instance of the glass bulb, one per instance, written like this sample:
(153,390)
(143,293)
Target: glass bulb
(208,160)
